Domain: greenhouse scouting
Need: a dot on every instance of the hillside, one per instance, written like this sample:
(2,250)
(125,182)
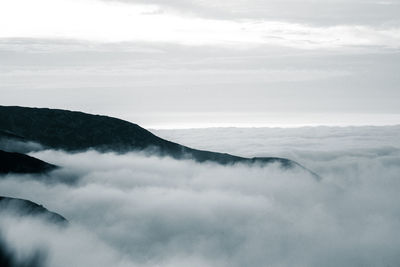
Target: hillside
(76,131)
(12,162)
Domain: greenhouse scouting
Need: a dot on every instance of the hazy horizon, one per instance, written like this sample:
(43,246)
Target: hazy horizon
(198,120)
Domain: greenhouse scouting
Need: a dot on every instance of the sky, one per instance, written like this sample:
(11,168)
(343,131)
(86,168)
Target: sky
(202,63)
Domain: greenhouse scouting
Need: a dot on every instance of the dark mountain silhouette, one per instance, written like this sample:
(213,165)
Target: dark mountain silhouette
(8,135)
(12,162)
(76,131)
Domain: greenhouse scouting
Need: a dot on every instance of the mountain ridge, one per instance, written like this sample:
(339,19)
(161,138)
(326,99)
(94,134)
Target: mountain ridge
(13,162)
(76,131)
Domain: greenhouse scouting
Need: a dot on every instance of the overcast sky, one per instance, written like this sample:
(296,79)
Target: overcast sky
(193,63)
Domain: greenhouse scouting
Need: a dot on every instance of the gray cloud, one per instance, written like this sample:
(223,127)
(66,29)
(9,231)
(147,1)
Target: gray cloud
(10,258)
(49,245)
(12,145)
(123,79)
(309,145)
(146,211)
(327,12)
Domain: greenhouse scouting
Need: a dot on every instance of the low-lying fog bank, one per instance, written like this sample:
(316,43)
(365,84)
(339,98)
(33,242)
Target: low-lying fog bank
(134,210)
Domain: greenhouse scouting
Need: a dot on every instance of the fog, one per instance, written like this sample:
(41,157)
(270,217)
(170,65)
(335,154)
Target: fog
(136,210)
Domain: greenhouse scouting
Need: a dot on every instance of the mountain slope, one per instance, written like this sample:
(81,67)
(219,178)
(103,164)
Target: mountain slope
(77,131)
(11,162)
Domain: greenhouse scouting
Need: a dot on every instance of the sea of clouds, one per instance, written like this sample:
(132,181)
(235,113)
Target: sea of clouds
(139,210)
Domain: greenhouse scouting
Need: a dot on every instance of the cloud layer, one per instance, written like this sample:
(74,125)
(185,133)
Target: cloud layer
(124,23)
(146,83)
(133,210)
(331,12)
(137,59)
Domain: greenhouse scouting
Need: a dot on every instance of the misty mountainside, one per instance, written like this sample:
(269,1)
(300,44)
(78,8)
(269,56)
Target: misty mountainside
(23,207)
(77,131)
(9,256)
(13,162)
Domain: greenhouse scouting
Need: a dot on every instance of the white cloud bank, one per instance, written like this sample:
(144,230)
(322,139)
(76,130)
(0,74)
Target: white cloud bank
(132,210)
(120,22)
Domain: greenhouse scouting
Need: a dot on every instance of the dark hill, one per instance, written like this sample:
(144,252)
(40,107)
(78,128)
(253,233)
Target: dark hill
(77,131)
(12,162)
(8,135)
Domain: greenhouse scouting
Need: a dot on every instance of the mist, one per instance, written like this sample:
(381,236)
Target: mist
(139,210)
